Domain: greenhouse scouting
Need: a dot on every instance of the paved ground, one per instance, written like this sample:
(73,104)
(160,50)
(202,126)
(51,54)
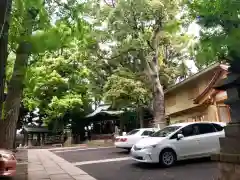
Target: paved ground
(92,154)
(22,167)
(115,164)
(44,165)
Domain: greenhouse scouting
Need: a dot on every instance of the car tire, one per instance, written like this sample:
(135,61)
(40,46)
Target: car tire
(167,158)
(128,150)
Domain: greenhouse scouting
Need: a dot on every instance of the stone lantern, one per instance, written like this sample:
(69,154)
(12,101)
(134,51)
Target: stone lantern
(229,155)
(68,131)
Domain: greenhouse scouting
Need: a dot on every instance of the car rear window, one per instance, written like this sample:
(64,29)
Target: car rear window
(133,132)
(218,127)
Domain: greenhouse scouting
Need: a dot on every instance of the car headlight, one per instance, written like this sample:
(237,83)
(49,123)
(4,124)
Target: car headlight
(150,147)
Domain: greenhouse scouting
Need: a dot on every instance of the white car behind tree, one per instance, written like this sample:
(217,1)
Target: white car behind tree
(178,142)
(128,140)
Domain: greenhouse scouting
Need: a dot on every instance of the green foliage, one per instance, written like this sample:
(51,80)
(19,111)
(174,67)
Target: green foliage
(56,79)
(56,86)
(124,90)
(220,33)
(129,29)
(68,66)
(20,11)
(59,106)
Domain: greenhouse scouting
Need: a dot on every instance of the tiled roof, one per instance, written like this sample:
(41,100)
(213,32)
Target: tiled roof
(210,68)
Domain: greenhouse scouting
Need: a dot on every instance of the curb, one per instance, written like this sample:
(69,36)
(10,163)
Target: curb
(64,148)
(80,149)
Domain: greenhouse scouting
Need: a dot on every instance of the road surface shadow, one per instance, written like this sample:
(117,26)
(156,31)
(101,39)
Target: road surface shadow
(178,164)
(125,152)
(14,178)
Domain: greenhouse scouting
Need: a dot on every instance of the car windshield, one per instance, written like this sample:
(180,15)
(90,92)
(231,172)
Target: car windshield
(133,132)
(165,131)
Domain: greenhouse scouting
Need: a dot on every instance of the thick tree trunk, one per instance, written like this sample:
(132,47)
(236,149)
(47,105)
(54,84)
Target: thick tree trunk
(157,92)
(5,10)
(158,105)
(13,100)
(15,87)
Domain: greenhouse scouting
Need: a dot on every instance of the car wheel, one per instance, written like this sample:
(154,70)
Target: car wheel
(167,157)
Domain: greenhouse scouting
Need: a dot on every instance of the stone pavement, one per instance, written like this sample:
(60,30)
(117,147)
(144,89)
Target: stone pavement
(22,165)
(44,165)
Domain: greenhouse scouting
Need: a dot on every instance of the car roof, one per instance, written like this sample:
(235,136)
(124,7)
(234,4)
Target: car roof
(146,128)
(221,123)
(181,124)
(189,123)
(143,129)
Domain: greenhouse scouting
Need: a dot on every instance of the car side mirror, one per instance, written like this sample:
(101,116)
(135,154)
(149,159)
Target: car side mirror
(180,136)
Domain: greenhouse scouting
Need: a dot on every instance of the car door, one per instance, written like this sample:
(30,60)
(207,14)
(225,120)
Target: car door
(186,147)
(209,139)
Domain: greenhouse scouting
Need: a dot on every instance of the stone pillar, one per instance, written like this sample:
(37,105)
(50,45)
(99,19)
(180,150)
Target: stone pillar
(42,139)
(68,142)
(38,139)
(25,139)
(229,155)
(30,140)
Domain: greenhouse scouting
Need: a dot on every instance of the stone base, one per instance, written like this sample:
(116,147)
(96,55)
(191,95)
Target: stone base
(68,142)
(228,166)
(228,171)
(229,156)
(30,143)
(232,130)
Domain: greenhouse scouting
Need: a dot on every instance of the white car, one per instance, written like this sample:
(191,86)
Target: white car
(178,142)
(128,140)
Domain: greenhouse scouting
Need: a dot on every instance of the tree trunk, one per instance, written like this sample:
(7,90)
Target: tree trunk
(15,88)
(15,139)
(140,116)
(152,68)
(5,10)
(158,105)
(13,100)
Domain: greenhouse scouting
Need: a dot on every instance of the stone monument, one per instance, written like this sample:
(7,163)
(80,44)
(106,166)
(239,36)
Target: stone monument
(68,142)
(229,155)
(68,131)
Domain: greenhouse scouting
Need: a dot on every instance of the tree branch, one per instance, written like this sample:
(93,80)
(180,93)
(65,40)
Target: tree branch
(149,44)
(113,4)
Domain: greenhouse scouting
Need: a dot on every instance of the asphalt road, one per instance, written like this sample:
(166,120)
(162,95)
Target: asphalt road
(113,164)
(92,154)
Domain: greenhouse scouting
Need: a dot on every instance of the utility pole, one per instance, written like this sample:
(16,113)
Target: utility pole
(5,10)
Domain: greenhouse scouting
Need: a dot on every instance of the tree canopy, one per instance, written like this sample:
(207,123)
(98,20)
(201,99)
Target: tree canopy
(66,56)
(219,22)
(134,34)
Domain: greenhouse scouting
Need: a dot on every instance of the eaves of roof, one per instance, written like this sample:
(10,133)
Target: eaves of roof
(195,76)
(213,81)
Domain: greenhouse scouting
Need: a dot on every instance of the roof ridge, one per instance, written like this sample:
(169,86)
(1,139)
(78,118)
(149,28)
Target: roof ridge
(203,71)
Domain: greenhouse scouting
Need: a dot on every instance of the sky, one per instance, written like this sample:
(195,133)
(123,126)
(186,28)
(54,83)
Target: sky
(194,31)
